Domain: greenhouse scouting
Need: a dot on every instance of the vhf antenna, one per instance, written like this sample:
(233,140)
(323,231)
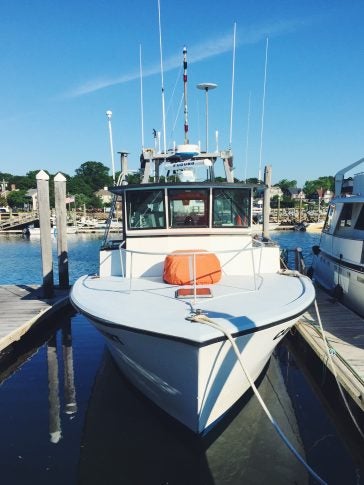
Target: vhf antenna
(185,93)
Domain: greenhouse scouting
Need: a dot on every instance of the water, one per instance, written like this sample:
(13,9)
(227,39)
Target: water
(112,435)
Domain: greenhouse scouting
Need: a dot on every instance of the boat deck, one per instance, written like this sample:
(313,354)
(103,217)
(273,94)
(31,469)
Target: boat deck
(151,305)
(345,334)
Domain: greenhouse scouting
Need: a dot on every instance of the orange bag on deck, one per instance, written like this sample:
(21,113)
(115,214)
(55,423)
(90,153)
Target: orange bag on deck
(178,268)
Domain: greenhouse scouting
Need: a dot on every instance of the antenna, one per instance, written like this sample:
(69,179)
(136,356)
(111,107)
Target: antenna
(206,87)
(247,136)
(232,90)
(263,107)
(141,93)
(109,115)
(162,79)
(185,93)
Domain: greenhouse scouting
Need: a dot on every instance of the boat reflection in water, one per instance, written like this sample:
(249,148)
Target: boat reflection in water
(70,404)
(58,360)
(128,440)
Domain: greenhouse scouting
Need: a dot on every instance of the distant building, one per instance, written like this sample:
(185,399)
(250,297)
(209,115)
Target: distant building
(295,193)
(328,195)
(322,194)
(33,194)
(276,190)
(104,195)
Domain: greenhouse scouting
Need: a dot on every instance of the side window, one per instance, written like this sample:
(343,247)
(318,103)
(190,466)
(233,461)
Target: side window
(231,207)
(145,209)
(345,217)
(329,217)
(188,207)
(360,221)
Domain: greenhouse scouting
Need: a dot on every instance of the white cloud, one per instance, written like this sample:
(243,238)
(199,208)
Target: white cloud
(202,51)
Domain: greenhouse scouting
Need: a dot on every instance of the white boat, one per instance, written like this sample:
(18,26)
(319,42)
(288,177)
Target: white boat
(35,231)
(97,225)
(187,277)
(338,264)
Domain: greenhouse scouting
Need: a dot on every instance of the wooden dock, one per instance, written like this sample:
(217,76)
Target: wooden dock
(344,331)
(22,307)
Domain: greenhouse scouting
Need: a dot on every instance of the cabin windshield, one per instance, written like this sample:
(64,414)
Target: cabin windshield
(198,207)
(145,209)
(231,207)
(188,207)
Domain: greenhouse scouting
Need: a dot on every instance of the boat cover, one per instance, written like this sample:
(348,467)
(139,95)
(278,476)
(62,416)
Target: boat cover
(178,268)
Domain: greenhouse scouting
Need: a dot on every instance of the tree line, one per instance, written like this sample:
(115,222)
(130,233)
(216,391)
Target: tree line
(92,176)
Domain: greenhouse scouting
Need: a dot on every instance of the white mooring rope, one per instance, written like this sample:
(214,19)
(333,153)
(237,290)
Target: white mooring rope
(200,318)
(333,368)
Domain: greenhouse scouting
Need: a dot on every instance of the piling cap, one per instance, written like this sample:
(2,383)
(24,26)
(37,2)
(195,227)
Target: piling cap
(42,175)
(60,177)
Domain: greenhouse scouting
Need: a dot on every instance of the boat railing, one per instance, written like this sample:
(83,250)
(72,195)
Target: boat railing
(292,258)
(255,251)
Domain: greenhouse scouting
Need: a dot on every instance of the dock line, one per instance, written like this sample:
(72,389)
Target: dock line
(333,367)
(201,318)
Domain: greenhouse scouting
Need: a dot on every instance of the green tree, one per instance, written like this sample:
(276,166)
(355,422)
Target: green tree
(94,174)
(285,184)
(77,185)
(82,200)
(3,201)
(17,198)
(252,180)
(325,183)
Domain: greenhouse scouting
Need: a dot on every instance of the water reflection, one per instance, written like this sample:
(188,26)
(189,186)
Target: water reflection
(135,443)
(53,386)
(70,403)
(69,416)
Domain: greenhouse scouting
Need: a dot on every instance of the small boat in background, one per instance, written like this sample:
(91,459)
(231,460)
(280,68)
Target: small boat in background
(35,231)
(338,263)
(315,226)
(301,226)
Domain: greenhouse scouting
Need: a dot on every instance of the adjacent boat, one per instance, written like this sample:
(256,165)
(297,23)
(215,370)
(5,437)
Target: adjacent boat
(187,284)
(338,264)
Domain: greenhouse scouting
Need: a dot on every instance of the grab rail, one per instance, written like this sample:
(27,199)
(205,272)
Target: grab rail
(257,245)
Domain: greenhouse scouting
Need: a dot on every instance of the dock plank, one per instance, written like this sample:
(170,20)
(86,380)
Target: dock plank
(344,331)
(21,307)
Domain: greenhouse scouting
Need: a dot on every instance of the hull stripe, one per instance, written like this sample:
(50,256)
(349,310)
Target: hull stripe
(248,331)
(345,264)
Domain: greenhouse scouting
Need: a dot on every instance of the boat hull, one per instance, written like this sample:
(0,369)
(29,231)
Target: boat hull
(194,383)
(343,280)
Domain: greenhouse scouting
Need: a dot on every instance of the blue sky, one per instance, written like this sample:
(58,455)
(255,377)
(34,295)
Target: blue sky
(64,63)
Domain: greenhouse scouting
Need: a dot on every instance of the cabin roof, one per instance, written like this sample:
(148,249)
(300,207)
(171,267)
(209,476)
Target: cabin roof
(170,185)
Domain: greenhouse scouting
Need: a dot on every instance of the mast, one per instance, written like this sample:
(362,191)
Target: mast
(232,89)
(162,79)
(141,94)
(247,137)
(185,93)
(263,109)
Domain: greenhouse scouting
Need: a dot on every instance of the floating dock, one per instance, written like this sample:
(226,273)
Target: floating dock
(344,332)
(22,307)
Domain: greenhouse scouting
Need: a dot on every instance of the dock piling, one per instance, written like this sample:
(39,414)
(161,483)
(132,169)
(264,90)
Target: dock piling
(61,224)
(45,233)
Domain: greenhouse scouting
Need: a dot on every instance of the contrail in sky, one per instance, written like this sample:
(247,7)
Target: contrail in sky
(202,51)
